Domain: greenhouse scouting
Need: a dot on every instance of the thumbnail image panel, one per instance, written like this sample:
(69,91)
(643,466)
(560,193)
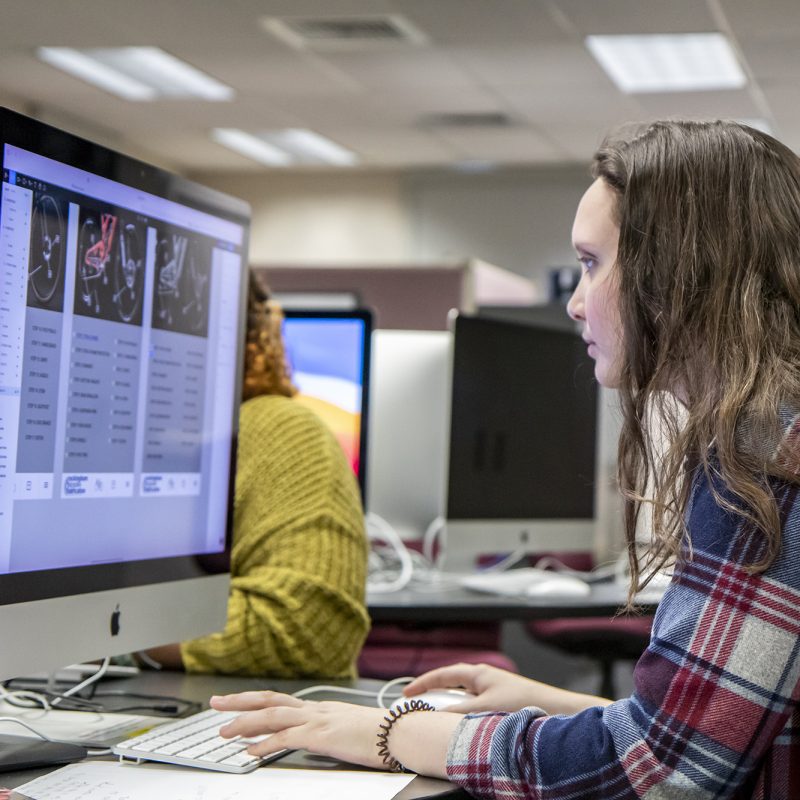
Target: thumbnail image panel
(181,293)
(109,277)
(48,250)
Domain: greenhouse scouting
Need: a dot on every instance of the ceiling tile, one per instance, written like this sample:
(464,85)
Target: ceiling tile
(637,16)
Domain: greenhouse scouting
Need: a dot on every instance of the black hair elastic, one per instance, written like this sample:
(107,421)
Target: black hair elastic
(389,761)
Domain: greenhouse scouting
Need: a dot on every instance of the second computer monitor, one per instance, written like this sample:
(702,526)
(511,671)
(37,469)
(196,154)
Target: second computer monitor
(329,359)
(523,429)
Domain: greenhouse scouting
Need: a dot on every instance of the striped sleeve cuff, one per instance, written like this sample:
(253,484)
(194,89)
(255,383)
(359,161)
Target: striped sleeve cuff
(479,750)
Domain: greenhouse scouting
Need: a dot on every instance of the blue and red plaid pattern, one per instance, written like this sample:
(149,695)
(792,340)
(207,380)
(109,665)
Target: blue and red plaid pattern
(715,711)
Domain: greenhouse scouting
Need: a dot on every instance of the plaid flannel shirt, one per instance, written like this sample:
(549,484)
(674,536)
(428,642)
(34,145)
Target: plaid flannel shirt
(714,711)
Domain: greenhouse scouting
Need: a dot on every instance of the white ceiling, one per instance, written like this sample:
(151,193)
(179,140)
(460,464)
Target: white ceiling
(522,58)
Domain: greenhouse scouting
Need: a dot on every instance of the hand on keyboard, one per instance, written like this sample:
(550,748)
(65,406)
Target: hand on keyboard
(195,742)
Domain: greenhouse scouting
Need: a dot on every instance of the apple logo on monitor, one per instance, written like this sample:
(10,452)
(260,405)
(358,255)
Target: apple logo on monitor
(115,621)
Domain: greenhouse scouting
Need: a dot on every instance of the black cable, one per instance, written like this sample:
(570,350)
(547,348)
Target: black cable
(162,704)
(92,702)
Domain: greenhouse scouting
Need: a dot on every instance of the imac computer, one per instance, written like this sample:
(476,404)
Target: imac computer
(122,298)
(329,358)
(522,446)
(408,428)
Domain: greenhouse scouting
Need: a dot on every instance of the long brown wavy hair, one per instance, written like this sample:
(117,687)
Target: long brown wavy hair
(265,367)
(709,278)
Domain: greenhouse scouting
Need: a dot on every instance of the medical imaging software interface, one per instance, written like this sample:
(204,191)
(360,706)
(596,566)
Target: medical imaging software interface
(118,342)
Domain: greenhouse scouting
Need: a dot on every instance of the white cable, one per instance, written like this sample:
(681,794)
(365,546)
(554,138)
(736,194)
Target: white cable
(379,695)
(24,698)
(378,529)
(25,725)
(148,660)
(335,689)
(504,563)
(435,527)
(101,670)
(89,753)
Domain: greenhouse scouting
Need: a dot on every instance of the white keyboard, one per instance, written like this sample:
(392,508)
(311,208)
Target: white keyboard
(195,742)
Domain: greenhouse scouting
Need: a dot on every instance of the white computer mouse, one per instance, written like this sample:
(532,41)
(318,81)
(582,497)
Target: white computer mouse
(558,586)
(440,699)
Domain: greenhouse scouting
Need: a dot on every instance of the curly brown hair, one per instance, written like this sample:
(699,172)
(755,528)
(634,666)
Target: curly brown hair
(266,370)
(709,276)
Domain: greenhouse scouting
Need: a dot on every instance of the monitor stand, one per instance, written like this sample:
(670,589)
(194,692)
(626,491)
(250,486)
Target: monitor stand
(25,752)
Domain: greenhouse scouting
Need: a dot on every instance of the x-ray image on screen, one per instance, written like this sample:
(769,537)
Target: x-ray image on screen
(183,266)
(48,248)
(109,280)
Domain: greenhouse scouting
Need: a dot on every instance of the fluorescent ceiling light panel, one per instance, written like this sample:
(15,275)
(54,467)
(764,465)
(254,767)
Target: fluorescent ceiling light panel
(136,73)
(668,62)
(285,147)
(88,69)
(251,146)
(308,147)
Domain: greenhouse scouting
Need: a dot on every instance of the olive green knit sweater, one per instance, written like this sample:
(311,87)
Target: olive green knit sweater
(296,605)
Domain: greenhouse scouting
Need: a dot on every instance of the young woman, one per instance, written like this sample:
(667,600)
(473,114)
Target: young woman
(299,559)
(689,239)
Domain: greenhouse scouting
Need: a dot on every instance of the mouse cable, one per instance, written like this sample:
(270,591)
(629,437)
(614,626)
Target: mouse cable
(379,695)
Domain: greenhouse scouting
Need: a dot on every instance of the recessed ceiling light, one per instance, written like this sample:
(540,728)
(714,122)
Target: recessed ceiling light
(283,147)
(251,146)
(668,62)
(308,147)
(136,73)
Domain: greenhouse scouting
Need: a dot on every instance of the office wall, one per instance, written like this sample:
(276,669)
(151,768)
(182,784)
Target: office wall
(313,218)
(519,219)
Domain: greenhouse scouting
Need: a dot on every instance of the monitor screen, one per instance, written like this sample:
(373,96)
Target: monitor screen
(121,308)
(523,430)
(329,359)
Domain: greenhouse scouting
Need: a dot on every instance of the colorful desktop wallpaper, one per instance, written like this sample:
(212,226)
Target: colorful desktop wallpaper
(325,356)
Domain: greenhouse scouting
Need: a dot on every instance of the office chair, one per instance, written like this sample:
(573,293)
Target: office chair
(394,650)
(604,640)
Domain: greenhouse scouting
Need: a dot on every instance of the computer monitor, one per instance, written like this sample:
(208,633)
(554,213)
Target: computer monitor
(408,428)
(122,298)
(522,445)
(329,358)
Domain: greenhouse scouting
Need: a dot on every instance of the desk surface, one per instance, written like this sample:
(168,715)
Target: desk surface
(459,605)
(201,687)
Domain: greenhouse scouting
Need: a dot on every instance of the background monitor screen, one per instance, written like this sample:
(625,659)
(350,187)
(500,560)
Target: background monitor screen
(329,358)
(121,308)
(523,430)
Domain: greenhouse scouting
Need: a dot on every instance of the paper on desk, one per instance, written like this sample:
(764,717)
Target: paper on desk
(102,780)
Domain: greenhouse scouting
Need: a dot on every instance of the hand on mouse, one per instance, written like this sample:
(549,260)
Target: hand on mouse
(498,690)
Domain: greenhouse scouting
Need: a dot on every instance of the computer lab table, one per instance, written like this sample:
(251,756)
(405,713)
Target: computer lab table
(200,687)
(448,606)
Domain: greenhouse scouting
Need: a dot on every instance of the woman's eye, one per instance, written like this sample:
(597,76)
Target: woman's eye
(587,262)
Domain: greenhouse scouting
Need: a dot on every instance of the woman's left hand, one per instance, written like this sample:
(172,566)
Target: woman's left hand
(339,730)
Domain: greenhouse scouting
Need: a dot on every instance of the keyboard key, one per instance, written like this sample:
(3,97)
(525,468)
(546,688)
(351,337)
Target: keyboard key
(194,741)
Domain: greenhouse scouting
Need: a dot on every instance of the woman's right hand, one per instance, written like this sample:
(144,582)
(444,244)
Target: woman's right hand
(494,689)
(498,690)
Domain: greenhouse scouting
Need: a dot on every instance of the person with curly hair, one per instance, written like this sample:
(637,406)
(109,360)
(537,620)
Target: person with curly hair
(299,558)
(689,243)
